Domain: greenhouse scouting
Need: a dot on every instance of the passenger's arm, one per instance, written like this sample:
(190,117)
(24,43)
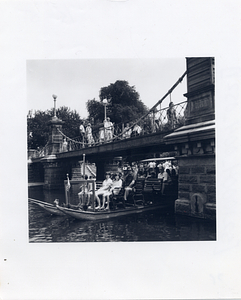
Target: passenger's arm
(132,183)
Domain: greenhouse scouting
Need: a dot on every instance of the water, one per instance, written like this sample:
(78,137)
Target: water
(150,226)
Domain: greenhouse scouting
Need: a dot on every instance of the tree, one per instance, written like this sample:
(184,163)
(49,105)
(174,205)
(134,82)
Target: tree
(124,104)
(37,129)
(71,121)
(38,126)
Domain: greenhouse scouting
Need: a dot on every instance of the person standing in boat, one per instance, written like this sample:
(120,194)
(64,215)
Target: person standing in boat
(106,184)
(129,182)
(114,189)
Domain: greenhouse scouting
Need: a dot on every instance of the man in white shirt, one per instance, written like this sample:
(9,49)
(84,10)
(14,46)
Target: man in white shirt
(82,132)
(108,125)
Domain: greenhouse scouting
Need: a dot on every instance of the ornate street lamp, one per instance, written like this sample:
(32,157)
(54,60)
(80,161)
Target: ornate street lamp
(55,97)
(105,102)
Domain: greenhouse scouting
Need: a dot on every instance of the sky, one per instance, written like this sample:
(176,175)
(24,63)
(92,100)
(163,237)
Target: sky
(76,81)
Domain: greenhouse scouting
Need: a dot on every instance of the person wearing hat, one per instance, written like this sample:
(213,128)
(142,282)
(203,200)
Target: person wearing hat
(109,128)
(89,136)
(128,183)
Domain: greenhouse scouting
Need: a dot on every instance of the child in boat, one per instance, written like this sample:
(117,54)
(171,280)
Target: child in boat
(84,192)
(104,188)
(115,189)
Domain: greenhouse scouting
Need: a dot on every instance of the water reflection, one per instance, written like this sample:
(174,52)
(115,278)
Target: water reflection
(149,226)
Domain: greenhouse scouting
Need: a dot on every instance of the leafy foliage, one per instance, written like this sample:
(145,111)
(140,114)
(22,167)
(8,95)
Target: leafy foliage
(124,104)
(71,121)
(38,126)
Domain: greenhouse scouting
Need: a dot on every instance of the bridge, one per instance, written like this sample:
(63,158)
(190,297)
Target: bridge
(188,128)
(127,141)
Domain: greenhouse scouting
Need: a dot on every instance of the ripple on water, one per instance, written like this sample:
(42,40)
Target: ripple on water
(151,226)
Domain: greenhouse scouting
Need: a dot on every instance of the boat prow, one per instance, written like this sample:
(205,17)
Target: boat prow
(47,207)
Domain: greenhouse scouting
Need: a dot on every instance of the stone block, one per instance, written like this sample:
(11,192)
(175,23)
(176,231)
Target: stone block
(184,187)
(211,189)
(210,170)
(210,211)
(182,206)
(183,195)
(211,197)
(198,170)
(194,161)
(184,170)
(197,188)
(188,179)
(207,179)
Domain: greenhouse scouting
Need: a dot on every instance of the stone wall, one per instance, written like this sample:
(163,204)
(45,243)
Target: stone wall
(35,172)
(197,186)
(54,176)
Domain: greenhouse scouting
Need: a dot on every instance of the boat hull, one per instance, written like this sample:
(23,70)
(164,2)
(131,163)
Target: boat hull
(103,215)
(48,207)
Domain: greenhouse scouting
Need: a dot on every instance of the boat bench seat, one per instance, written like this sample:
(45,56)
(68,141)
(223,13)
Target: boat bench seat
(152,186)
(98,184)
(138,191)
(116,200)
(135,196)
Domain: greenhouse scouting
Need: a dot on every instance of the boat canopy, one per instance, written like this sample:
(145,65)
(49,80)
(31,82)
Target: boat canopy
(159,159)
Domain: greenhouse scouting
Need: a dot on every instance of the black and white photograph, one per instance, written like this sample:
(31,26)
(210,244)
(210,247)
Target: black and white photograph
(120,149)
(110,168)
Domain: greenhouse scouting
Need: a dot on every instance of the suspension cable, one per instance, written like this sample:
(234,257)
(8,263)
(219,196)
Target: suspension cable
(159,101)
(142,117)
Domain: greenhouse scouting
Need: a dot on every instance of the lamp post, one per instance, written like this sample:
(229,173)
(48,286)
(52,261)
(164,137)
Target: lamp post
(55,97)
(105,104)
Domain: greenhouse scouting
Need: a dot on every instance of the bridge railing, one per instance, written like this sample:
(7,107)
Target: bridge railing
(158,120)
(39,152)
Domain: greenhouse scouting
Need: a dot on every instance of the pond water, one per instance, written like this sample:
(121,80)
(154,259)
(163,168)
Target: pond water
(150,226)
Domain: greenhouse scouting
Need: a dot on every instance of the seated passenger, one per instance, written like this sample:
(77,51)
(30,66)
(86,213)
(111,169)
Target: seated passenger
(161,173)
(84,189)
(141,174)
(151,175)
(103,189)
(115,189)
(129,182)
